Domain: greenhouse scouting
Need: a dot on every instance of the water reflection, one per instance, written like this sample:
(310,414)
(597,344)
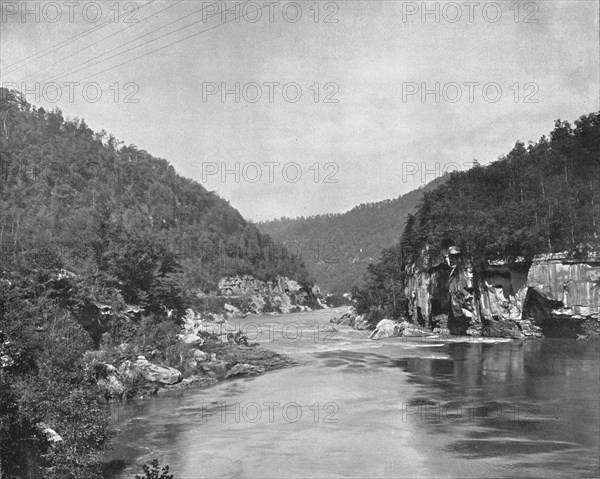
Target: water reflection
(532,404)
(404,409)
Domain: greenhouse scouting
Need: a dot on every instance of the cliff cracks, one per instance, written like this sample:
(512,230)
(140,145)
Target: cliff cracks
(554,295)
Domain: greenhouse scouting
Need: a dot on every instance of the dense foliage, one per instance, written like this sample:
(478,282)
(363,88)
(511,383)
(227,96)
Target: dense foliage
(539,198)
(337,248)
(79,193)
(44,384)
(100,244)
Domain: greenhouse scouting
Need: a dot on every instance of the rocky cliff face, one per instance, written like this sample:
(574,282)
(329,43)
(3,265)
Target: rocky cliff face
(247,285)
(282,295)
(553,295)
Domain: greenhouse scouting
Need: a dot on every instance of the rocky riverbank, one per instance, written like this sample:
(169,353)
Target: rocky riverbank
(208,349)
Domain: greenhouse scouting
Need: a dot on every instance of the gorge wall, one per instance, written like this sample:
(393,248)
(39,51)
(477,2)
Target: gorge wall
(554,295)
(281,295)
(246,285)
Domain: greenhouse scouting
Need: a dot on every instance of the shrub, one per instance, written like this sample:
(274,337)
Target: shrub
(374,315)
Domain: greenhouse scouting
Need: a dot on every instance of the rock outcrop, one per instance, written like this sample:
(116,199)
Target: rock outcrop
(282,295)
(246,285)
(244,370)
(551,295)
(51,435)
(153,373)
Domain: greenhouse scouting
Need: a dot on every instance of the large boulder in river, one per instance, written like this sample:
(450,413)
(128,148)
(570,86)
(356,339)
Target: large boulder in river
(386,328)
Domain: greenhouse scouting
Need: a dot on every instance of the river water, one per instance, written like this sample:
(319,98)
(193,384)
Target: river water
(356,408)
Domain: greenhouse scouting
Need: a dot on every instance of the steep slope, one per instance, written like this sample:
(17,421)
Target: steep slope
(337,248)
(103,252)
(497,247)
(72,193)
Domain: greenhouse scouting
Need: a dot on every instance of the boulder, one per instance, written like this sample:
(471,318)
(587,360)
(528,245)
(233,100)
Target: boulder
(199,355)
(52,436)
(111,386)
(192,364)
(153,372)
(386,328)
(215,369)
(211,328)
(244,370)
(191,340)
(230,308)
(360,323)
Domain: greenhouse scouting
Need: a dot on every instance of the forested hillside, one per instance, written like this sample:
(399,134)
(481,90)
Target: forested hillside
(337,248)
(77,194)
(542,197)
(102,247)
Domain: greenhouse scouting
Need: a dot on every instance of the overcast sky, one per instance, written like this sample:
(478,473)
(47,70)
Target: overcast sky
(375,137)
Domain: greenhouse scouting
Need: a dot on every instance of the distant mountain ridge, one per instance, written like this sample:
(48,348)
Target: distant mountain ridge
(336,248)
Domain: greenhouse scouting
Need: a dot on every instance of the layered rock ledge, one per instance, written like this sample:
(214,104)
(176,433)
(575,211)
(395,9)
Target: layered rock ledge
(554,295)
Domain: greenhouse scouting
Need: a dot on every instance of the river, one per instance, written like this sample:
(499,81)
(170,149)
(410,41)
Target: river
(356,408)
